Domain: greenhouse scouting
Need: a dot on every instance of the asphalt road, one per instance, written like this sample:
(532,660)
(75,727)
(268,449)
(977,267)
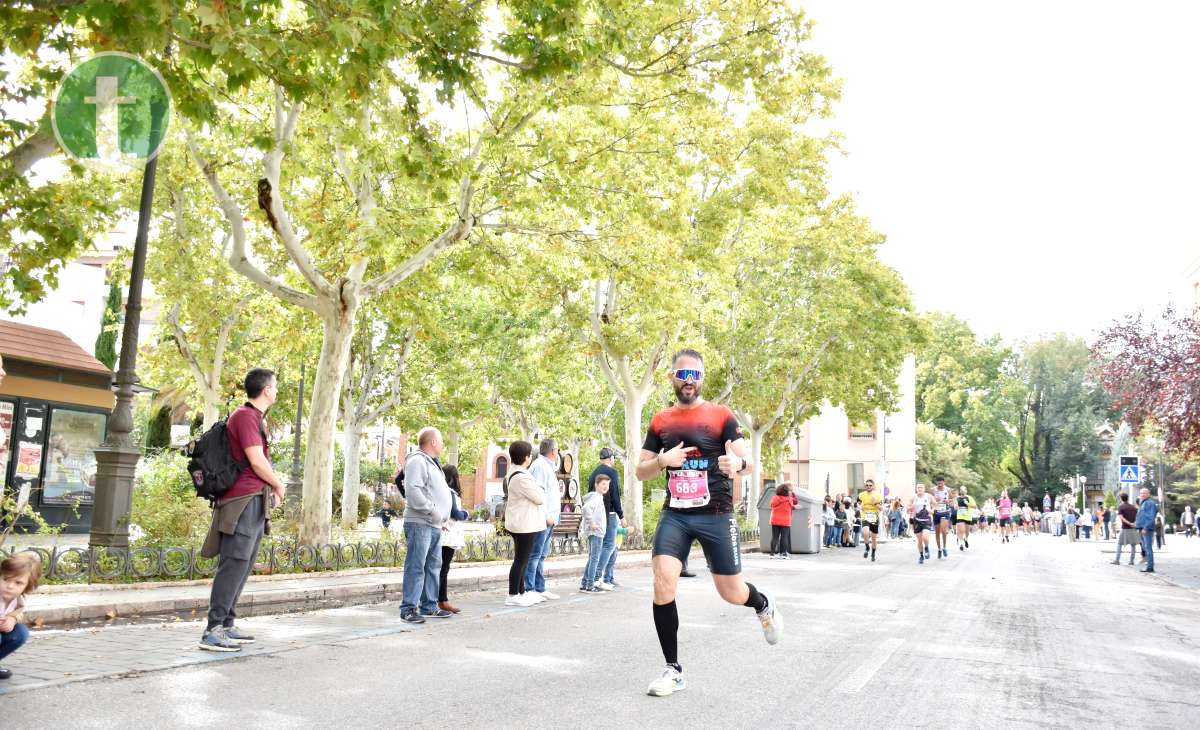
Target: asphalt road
(1033,633)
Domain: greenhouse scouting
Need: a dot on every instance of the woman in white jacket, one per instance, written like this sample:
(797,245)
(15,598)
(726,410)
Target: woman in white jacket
(453,535)
(524,518)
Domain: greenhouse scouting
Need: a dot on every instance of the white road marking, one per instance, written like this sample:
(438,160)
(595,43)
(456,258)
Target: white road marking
(860,676)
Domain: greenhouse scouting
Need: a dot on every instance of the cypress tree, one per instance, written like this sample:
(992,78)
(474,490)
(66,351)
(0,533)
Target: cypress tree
(158,431)
(106,341)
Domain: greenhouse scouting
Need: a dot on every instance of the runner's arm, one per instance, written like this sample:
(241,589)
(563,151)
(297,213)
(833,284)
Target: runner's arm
(738,447)
(648,465)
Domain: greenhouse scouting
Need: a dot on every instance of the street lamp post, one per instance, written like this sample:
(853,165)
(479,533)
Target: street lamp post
(117,457)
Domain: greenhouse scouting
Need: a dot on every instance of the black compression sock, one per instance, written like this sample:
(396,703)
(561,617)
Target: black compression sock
(666,623)
(756,599)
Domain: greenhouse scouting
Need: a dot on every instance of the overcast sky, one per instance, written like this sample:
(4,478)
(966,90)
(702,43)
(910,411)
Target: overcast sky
(1034,165)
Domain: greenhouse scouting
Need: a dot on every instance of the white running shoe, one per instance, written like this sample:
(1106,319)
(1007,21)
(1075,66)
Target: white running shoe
(669,683)
(517,600)
(771,620)
(550,596)
(605,586)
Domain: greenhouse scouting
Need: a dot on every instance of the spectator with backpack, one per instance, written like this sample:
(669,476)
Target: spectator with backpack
(240,509)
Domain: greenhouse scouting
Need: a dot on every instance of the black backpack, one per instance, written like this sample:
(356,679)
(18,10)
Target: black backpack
(400,482)
(212,468)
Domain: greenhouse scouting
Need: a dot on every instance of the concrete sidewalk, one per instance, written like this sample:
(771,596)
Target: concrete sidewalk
(69,605)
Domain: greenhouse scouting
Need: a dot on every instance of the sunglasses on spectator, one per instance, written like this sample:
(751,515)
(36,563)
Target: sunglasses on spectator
(685,374)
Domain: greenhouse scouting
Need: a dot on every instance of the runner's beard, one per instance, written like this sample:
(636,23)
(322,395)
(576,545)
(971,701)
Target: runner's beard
(683,398)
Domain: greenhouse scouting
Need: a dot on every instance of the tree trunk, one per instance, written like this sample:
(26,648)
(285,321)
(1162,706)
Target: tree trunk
(212,409)
(756,439)
(632,500)
(317,493)
(453,444)
(351,441)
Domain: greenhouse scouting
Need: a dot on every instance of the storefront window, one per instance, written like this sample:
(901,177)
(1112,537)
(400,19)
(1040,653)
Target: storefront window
(7,410)
(71,459)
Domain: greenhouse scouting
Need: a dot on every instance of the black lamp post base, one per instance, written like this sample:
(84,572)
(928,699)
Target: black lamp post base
(115,467)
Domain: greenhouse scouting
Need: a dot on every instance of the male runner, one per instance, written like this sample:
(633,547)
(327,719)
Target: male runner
(871,501)
(700,446)
(964,517)
(1027,518)
(941,517)
(922,521)
(1004,508)
(989,516)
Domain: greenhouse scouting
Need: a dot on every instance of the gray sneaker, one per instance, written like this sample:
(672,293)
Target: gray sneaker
(216,640)
(771,620)
(234,634)
(437,613)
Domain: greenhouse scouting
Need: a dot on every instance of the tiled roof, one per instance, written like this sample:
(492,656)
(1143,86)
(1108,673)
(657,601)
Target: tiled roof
(49,347)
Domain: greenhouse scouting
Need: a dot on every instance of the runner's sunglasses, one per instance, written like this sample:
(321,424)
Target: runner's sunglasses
(685,374)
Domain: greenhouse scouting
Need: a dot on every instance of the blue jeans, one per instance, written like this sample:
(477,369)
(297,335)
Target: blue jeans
(422,567)
(595,554)
(13,640)
(1148,548)
(608,551)
(836,538)
(535,574)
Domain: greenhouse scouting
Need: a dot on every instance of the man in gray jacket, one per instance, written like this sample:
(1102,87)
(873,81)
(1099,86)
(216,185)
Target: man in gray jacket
(428,506)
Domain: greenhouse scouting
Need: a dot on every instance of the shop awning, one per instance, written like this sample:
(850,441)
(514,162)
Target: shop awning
(46,347)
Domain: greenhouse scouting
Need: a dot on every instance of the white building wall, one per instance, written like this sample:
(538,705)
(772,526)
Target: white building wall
(76,306)
(826,451)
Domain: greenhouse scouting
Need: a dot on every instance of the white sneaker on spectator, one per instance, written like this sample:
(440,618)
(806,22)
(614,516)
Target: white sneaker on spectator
(550,596)
(604,586)
(517,600)
(535,597)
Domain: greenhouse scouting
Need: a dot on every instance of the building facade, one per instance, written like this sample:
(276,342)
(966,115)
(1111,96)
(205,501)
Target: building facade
(831,455)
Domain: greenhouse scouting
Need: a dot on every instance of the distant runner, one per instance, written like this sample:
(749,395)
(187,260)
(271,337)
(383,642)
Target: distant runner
(922,522)
(964,517)
(871,501)
(941,517)
(1004,510)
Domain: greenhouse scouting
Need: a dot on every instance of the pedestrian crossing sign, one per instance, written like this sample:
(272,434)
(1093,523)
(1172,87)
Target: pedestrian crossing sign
(1131,474)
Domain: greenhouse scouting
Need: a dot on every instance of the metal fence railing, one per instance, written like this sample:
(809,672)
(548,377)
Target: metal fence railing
(275,556)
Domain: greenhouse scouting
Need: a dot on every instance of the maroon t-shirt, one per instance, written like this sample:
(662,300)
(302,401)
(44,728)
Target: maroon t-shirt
(245,429)
(1129,512)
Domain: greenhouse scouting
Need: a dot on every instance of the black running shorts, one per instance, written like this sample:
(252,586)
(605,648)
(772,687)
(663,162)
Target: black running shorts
(872,526)
(717,534)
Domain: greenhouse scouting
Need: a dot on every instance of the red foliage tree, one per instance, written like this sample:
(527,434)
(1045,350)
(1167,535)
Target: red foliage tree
(1152,370)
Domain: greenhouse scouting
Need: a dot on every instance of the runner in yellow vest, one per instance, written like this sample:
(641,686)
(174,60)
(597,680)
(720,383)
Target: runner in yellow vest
(872,517)
(965,517)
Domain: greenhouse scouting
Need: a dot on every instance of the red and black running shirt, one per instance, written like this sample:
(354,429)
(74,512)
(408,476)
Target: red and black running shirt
(705,429)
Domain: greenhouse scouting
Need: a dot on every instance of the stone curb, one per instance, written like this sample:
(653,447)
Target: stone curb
(284,600)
